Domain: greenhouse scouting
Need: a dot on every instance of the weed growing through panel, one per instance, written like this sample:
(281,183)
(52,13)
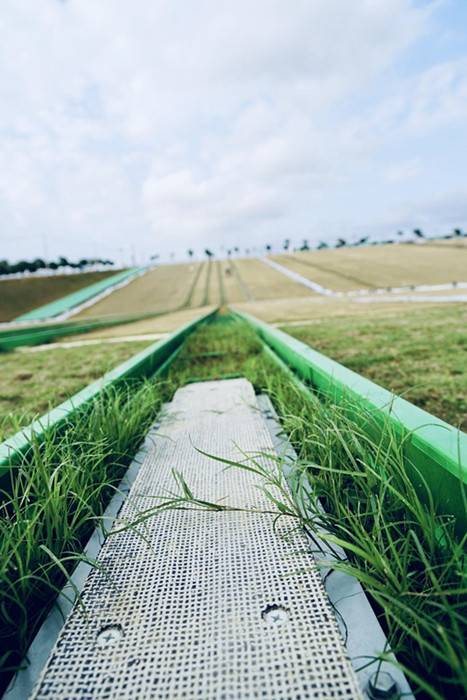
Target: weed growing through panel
(221,349)
(54,501)
(406,556)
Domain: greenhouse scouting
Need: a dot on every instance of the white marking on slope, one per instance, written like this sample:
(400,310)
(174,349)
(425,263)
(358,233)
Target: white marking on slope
(367,295)
(319,289)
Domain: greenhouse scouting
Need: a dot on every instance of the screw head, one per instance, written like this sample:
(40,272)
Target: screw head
(275,615)
(108,636)
(382,685)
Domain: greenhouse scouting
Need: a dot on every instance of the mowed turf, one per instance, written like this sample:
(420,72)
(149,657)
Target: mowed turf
(420,354)
(263,282)
(373,267)
(233,289)
(165,323)
(17,296)
(32,383)
(167,288)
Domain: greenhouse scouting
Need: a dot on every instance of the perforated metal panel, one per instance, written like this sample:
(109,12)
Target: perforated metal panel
(202,604)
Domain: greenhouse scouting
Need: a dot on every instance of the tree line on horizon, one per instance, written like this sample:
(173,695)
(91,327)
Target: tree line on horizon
(7,268)
(322,245)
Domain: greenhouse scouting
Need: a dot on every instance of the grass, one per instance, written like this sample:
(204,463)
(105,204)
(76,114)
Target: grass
(31,383)
(167,288)
(165,323)
(406,556)
(380,266)
(54,501)
(20,295)
(263,282)
(421,355)
(404,553)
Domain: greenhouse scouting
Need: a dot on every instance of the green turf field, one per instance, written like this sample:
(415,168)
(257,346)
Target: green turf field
(420,354)
(31,383)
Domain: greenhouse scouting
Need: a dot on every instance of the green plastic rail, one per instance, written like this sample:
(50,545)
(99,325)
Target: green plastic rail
(436,452)
(11,338)
(151,360)
(60,306)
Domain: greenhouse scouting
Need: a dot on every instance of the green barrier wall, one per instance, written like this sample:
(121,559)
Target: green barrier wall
(436,451)
(37,335)
(69,301)
(144,364)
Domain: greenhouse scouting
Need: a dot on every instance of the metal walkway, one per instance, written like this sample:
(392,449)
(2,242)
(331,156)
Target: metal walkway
(202,604)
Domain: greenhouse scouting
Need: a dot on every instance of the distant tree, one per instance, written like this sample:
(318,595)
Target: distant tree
(190,252)
(363,240)
(236,249)
(458,232)
(419,233)
(156,256)
(53,265)
(21,266)
(229,252)
(63,262)
(286,244)
(268,247)
(341,243)
(305,245)
(322,245)
(208,253)
(40,264)
(400,233)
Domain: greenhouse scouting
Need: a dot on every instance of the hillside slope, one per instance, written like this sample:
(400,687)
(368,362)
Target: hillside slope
(17,296)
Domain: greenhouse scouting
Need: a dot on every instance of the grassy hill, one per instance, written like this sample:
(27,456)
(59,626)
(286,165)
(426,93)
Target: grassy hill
(17,296)
(373,267)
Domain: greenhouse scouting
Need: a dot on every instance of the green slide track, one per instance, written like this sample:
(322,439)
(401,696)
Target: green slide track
(436,452)
(60,306)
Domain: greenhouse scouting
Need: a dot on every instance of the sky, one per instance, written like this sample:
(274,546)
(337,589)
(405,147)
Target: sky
(130,129)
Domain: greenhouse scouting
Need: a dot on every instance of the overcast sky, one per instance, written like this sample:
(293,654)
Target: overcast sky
(162,125)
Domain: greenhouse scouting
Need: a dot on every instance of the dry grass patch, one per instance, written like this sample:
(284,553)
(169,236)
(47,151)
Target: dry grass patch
(164,289)
(312,309)
(381,266)
(264,282)
(166,323)
(231,283)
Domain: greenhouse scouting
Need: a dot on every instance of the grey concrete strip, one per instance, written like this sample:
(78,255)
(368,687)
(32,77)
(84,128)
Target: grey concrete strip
(410,298)
(93,341)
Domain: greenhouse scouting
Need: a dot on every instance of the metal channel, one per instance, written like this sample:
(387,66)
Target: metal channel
(364,636)
(199,603)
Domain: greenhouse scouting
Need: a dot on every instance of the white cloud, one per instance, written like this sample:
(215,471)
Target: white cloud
(159,124)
